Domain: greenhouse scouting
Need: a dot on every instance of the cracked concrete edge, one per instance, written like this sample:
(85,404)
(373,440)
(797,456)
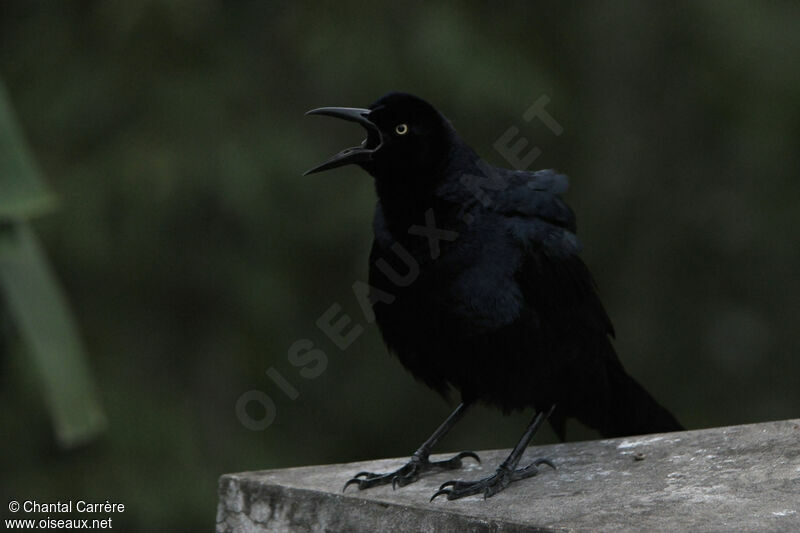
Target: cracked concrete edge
(248,507)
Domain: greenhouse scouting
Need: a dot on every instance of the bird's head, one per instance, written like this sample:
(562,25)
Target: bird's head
(407,138)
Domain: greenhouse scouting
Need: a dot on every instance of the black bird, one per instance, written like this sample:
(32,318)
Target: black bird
(476,285)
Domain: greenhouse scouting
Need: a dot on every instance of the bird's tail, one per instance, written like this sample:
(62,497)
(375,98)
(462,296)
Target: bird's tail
(621,408)
(632,410)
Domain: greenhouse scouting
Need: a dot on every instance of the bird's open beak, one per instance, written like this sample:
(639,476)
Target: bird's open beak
(356,154)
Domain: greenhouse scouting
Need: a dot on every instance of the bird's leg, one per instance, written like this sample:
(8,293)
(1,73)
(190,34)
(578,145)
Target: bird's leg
(506,473)
(419,461)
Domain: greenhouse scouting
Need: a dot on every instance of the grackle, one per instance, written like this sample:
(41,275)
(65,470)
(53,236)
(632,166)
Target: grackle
(476,285)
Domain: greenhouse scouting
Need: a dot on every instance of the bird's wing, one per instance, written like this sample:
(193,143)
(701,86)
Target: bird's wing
(555,283)
(536,195)
(560,290)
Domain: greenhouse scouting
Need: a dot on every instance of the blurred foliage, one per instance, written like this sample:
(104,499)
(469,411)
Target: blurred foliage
(33,297)
(195,254)
(22,193)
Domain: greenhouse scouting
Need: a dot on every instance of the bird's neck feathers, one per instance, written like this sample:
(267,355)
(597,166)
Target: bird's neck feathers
(406,194)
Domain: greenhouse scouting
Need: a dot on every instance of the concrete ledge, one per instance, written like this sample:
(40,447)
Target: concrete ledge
(740,478)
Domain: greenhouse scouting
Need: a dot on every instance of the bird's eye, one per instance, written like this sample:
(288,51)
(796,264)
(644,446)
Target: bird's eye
(401,129)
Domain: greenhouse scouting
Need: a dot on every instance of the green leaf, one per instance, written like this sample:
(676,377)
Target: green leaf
(45,323)
(22,191)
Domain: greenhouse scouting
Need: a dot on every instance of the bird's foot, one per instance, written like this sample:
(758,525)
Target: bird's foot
(491,485)
(408,473)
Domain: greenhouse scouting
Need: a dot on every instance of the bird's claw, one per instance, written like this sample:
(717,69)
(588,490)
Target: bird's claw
(364,474)
(455,489)
(439,493)
(455,461)
(408,473)
(351,481)
(541,461)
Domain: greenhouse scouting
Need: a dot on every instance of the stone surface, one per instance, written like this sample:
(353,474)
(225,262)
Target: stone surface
(741,478)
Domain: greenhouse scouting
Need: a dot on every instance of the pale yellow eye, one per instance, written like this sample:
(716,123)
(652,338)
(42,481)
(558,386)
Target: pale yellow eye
(401,129)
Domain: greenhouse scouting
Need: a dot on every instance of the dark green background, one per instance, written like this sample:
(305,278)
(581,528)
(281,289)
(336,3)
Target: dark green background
(194,254)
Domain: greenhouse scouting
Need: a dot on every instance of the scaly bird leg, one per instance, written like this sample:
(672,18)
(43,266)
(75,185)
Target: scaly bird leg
(419,462)
(505,474)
